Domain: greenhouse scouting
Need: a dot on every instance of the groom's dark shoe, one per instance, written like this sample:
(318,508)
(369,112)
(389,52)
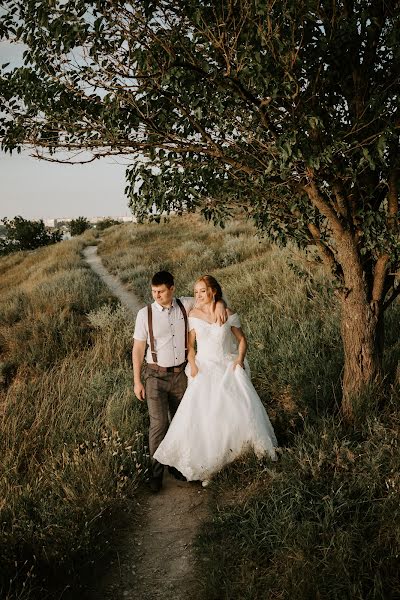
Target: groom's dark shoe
(155,484)
(177,474)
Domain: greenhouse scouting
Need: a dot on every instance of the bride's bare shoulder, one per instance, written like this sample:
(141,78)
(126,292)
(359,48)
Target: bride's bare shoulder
(229,311)
(194,312)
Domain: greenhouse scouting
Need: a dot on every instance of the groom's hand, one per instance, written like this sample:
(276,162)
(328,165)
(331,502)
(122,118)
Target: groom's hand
(140,393)
(221,314)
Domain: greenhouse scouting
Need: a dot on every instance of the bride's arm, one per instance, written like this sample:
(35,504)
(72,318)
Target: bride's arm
(242,346)
(191,353)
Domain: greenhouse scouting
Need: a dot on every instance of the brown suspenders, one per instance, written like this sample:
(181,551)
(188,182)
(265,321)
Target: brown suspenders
(151,333)
(179,303)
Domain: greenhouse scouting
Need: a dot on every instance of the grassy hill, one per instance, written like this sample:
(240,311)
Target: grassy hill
(291,320)
(71,444)
(323,522)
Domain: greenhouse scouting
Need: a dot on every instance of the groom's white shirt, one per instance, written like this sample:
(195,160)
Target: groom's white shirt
(168,329)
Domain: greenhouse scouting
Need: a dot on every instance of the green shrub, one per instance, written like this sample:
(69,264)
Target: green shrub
(22,234)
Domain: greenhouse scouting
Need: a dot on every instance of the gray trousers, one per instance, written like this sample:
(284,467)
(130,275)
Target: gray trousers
(164,392)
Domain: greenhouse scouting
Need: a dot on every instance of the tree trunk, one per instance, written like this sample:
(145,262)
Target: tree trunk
(362,330)
(361,334)
(362,300)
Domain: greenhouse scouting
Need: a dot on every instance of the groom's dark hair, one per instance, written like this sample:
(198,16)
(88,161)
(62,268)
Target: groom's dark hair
(162,277)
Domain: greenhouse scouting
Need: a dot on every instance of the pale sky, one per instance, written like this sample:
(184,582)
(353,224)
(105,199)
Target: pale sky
(37,189)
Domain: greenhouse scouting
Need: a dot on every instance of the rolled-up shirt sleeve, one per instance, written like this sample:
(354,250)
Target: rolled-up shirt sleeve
(141,326)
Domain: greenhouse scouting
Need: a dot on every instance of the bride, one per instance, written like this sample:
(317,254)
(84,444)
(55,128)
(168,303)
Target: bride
(221,415)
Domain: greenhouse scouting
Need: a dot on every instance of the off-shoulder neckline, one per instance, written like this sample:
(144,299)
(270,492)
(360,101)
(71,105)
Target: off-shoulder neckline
(208,322)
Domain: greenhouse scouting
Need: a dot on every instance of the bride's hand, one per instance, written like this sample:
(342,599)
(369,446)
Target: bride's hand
(238,363)
(193,371)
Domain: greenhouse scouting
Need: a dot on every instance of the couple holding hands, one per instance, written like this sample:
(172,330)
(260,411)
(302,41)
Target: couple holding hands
(204,411)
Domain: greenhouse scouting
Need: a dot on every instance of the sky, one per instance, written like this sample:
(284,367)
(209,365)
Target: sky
(36,189)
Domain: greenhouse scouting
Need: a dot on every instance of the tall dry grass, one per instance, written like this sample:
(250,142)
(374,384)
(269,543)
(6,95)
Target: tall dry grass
(291,321)
(72,444)
(324,521)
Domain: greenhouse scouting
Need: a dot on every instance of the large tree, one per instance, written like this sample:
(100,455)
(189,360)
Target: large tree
(286,109)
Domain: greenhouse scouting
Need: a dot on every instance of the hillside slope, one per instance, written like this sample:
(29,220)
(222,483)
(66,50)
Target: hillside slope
(72,441)
(321,523)
(324,522)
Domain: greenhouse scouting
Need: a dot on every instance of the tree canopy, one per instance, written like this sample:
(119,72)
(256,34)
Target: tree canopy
(22,234)
(285,109)
(78,226)
(105,223)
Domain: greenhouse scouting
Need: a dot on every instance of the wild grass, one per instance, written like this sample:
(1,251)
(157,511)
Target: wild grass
(187,248)
(72,440)
(291,321)
(323,522)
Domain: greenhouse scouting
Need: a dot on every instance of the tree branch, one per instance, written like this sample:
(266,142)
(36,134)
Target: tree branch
(326,253)
(393,201)
(323,206)
(341,203)
(64,162)
(380,272)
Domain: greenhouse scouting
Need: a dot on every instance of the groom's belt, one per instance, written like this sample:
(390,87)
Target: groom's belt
(176,369)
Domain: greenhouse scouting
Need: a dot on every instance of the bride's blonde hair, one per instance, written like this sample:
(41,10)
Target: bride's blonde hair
(213,284)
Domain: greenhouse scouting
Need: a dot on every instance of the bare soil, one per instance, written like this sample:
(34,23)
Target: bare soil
(113,283)
(153,556)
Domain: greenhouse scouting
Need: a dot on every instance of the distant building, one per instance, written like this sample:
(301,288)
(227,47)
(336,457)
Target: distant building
(130,219)
(50,222)
(62,221)
(94,220)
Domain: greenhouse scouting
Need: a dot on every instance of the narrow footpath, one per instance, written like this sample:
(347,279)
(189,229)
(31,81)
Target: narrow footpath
(154,558)
(113,283)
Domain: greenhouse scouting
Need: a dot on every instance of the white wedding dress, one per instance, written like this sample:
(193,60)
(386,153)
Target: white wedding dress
(221,415)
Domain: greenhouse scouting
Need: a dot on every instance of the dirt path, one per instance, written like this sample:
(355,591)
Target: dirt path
(154,555)
(126,298)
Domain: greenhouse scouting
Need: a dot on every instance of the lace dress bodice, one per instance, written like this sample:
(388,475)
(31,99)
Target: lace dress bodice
(215,342)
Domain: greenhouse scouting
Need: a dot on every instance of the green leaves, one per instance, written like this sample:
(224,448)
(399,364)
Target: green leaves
(367,158)
(22,234)
(78,226)
(219,111)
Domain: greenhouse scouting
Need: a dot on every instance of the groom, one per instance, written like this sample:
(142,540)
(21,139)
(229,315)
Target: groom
(160,336)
